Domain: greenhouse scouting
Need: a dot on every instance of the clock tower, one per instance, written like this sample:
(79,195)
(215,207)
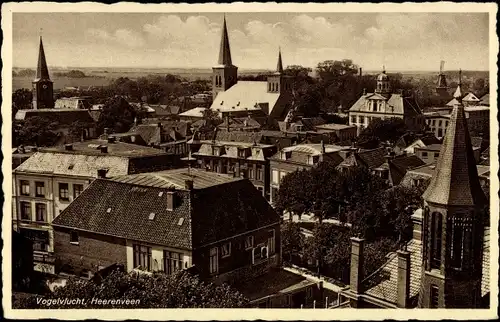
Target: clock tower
(43,92)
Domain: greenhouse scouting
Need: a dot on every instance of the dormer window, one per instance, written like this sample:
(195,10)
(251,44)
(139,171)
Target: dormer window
(286,155)
(243,152)
(313,159)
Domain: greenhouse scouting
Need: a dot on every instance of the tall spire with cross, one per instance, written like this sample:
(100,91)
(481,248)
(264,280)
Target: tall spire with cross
(42,71)
(43,92)
(279,67)
(225,50)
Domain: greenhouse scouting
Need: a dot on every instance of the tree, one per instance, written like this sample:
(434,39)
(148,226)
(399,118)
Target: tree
(212,120)
(37,131)
(21,99)
(180,290)
(292,240)
(117,114)
(384,130)
(77,130)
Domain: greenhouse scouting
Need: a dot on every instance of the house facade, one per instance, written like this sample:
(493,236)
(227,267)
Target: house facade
(167,221)
(46,183)
(383,104)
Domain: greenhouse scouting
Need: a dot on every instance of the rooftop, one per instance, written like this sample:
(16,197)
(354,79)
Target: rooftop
(176,179)
(315,149)
(333,126)
(93,147)
(194,112)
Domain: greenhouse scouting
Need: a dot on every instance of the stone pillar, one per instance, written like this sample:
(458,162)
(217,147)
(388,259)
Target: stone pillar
(357,259)
(403,278)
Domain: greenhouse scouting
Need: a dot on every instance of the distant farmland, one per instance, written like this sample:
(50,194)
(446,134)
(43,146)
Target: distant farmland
(102,77)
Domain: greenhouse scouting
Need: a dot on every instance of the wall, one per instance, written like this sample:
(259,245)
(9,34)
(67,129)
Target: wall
(92,252)
(156,255)
(153,163)
(239,263)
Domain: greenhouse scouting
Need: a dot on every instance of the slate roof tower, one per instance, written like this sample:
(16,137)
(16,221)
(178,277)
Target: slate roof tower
(43,92)
(225,74)
(453,236)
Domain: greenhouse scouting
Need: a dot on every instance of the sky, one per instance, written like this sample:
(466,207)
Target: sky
(400,41)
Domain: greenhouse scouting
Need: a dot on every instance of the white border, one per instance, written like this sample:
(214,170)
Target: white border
(243,314)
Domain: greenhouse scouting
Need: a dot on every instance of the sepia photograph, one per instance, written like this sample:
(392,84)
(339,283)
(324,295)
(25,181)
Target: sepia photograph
(282,160)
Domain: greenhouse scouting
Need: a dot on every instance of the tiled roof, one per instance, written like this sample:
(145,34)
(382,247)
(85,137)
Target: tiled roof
(371,158)
(209,214)
(72,102)
(485,100)
(62,116)
(400,165)
(150,133)
(194,112)
(398,104)
(246,96)
(383,283)
(315,149)
(74,164)
(427,171)
(239,136)
(240,123)
(230,149)
(334,126)
(123,210)
(91,147)
(456,182)
(470,97)
(176,179)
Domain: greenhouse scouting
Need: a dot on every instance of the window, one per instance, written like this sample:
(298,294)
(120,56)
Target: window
(251,173)
(25,210)
(41,212)
(276,176)
(77,190)
(261,189)
(63,191)
(226,250)
(424,154)
(436,235)
(436,154)
(459,238)
(214,260)
(25,188)
(39,189)
(373,106)
(440,132)
(172,262)
(40,238)
(361,119)
(434,296)
(353,119)
(260,175)
(309,292)
(282,175)
(270,242)
(142,257)
(314,159)
(248,242)
(73,237)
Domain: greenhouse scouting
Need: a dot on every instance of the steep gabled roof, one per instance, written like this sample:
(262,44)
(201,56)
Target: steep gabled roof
(371,158)
(455,181)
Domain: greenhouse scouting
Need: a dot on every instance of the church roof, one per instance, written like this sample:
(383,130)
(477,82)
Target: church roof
(225,50)
(279,67)
(42,71)
(246,96)
(441,83)
(455,181)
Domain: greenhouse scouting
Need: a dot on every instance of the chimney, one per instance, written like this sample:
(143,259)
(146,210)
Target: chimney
(104,148)
(68,147)
(111,139)
(323,149)
(403,285)
(416,218)
(364,91)
(170,200)
(360,72)
(101,173)
(356,276)
(188,184)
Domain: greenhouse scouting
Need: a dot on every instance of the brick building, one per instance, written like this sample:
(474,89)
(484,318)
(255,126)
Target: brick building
(446,264)
(236,153)
(46,183)
(170,220)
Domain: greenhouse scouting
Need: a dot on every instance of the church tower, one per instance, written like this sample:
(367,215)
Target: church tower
(453,229)
(383,84)
(225,74)
(43,93)
(278,82)
(442,85)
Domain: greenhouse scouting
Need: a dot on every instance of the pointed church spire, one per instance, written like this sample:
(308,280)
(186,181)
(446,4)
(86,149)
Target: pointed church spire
(42,72)
(279,67)
(225,51)
(455,181)
(458,93)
